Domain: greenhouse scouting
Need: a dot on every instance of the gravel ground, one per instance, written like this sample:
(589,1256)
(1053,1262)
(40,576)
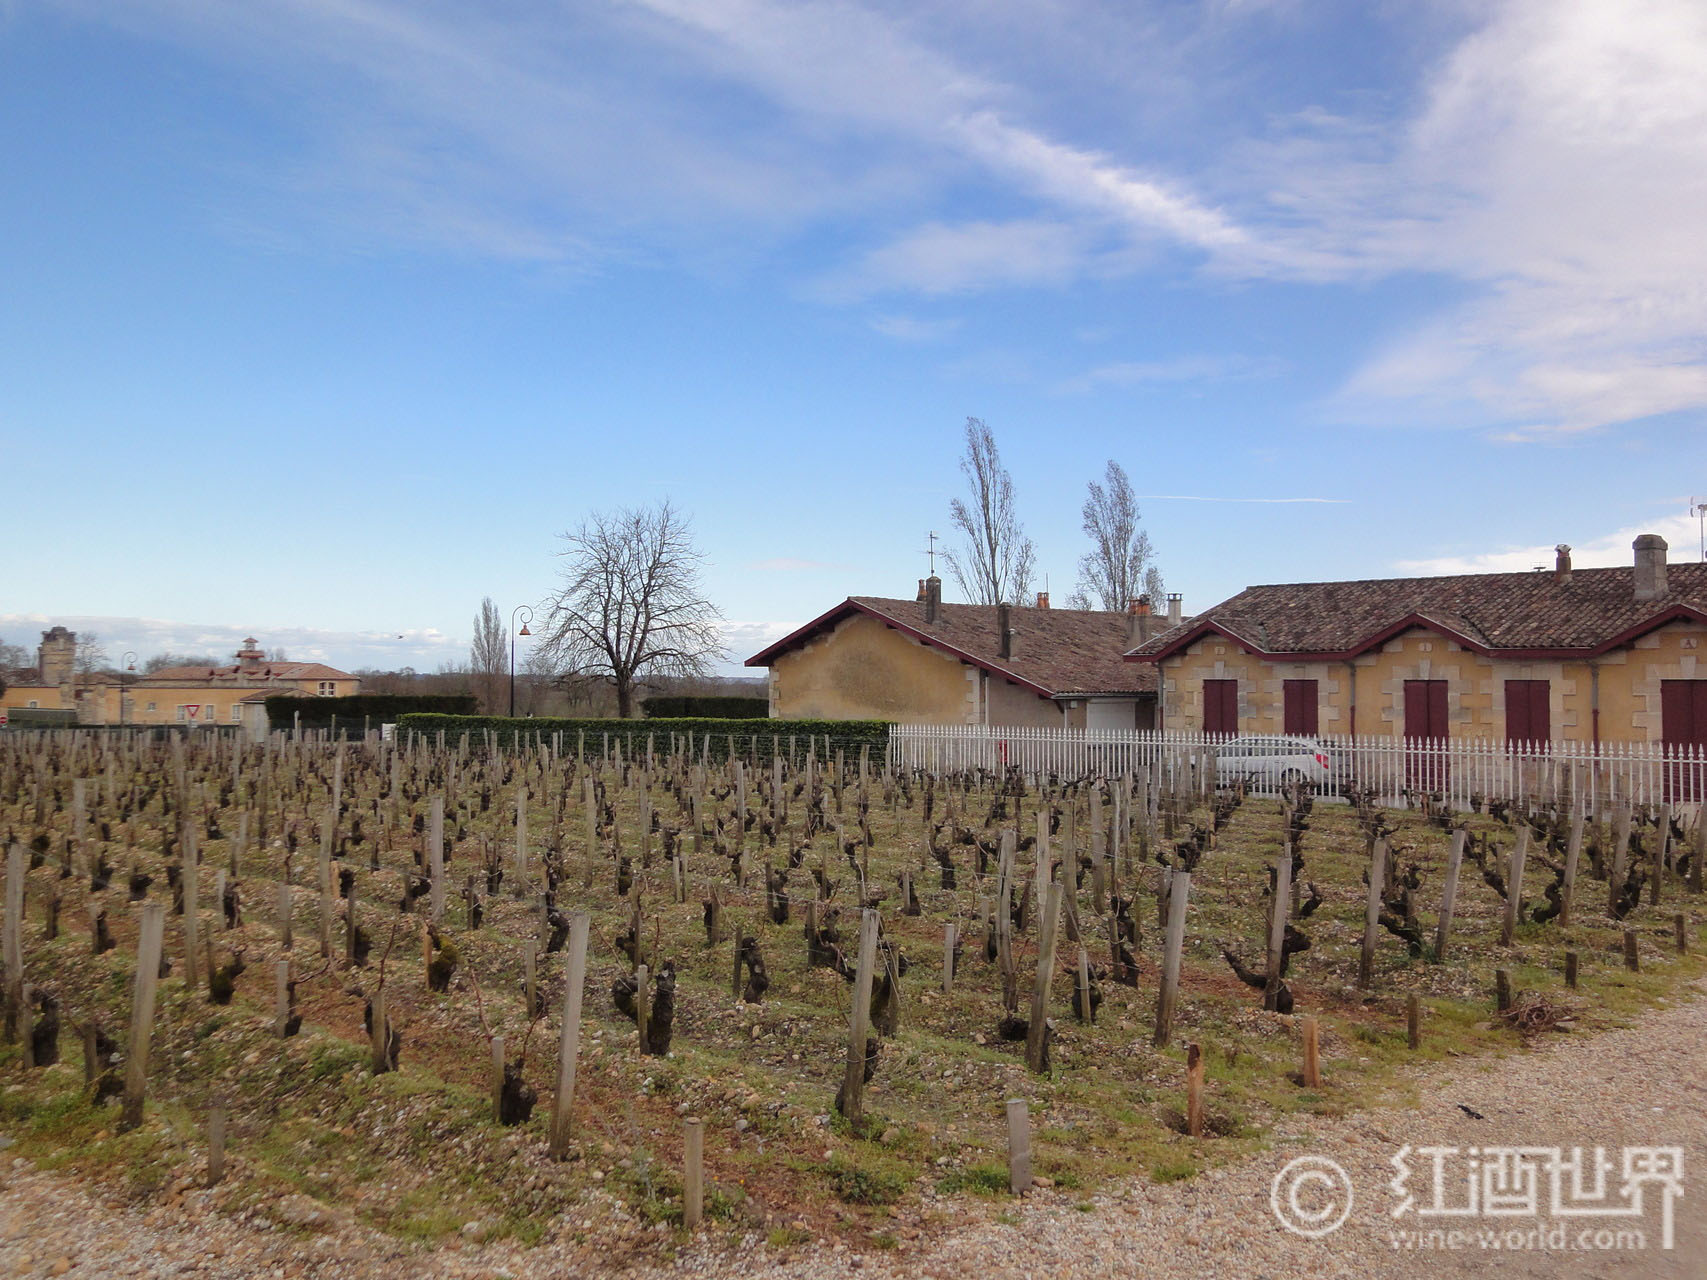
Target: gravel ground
(1641,1087)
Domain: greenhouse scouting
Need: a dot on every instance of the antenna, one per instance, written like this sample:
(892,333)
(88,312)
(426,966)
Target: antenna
(931,551)
(1698,509)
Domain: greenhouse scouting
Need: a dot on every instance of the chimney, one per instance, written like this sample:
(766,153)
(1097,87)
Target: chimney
(1042,599)
(1562,563)
(1650,566)
(1175,617)
(1004,631)
(921,596)
(249,657)
(1139,622)
(933,598)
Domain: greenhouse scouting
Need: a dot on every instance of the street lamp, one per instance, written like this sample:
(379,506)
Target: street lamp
(520,608)
(126,663)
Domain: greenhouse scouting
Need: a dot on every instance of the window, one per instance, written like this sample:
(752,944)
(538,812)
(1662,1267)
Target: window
(183,713)
(1301,711)
(1528,717)
(236,713)
(34,703)
(1220,706)
(151,706)
(1425,709)
(1683,713)
(327,689)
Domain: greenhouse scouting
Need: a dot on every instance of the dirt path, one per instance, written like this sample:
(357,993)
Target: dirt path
(1640,1087)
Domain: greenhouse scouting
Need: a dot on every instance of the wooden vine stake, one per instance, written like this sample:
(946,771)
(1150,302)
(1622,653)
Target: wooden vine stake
(1194,1091)
(1514,888)
(12,937)
(569,1040)
(1449,892)
(150,941)
(853,1080)
(1036,1036)
(1019,1147)
(1372,915)
(436,858)
(1312,1054)
(1167,995)
(693,1173)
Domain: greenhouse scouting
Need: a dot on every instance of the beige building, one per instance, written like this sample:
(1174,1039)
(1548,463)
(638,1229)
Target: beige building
(191,696)
(921,661)
(1586,655)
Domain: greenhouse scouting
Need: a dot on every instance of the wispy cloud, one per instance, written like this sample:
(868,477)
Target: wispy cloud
(1555,169)
(1132,373)
(423,649)
(1544,165)
(1601,551)
(1192,497)
(914,328)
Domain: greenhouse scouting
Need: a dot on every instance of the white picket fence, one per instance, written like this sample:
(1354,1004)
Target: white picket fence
(1460,772)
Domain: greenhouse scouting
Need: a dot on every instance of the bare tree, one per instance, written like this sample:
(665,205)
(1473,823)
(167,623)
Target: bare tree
(998,560)
(15,665)
(91,654)
(163,661)
(631,603)
(487,656)
(1119,567)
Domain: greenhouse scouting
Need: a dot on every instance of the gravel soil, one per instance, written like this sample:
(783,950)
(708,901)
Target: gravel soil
(1641,1086)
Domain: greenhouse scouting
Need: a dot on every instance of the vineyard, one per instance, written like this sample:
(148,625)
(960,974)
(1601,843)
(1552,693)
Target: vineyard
(612,991)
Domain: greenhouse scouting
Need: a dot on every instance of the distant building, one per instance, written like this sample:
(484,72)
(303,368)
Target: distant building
(228,695)
(1584,655)
(921,661)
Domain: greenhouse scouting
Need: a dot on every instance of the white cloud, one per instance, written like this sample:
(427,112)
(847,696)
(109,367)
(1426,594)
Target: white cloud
(936,260)
(1132,373)
(424,649)
(1192,497)
(914,328)
(1556,167)
(1546,164)
(421,648)
(1612,550)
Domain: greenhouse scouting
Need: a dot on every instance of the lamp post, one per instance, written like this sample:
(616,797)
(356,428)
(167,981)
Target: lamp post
(126,663)
(520,608)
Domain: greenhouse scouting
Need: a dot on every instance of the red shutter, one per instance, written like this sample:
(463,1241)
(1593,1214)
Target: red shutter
(1528,711)
(1683,713)
(1425,709)
(1220,706)
(1301,708)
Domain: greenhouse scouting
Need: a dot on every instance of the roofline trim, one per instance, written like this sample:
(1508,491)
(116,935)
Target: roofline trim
(1673,613)
(765,657)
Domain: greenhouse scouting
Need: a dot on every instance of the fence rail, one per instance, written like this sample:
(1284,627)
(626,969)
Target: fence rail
(1460,773)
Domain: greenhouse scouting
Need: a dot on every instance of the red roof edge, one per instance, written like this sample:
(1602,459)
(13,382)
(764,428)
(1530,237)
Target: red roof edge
(850,605)
(1677,612)
(764,657)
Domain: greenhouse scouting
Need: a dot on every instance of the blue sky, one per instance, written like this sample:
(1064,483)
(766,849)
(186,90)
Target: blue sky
(322,319)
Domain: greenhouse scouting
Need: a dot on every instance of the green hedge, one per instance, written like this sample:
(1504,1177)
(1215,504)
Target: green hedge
(706,708)
(752,737)
(379,708)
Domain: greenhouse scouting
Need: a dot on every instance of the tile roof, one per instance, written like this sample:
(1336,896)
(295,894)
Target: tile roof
(1515,613)
(271,672)
(1059,652)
